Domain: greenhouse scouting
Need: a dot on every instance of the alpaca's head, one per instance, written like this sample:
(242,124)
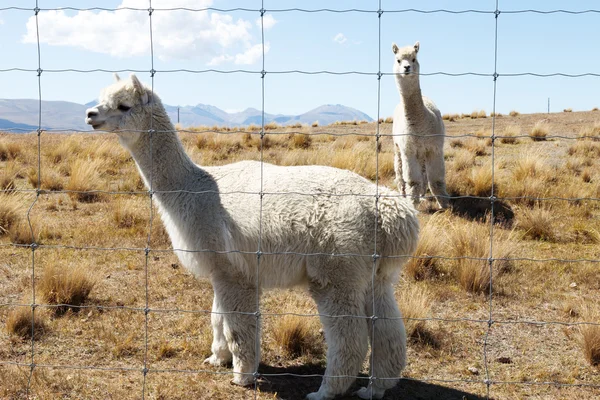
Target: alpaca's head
(123,107)
(406,65)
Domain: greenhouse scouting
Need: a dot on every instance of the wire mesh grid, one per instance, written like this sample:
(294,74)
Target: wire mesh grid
(263,74)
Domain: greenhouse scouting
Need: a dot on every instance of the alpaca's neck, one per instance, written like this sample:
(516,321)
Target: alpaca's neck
(160,157)
(410,95)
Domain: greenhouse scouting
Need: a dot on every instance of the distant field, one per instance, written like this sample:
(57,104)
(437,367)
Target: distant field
(544,285)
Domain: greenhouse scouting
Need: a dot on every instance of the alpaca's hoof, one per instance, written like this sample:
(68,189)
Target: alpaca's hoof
(365,393)
(243,380)
(216,361)
(317,396)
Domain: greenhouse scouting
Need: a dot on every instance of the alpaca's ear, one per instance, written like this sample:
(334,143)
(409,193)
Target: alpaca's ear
(117,77)
(137,85)
(394,48)
(417,47)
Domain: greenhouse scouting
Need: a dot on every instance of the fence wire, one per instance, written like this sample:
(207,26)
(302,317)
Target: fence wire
(145,369)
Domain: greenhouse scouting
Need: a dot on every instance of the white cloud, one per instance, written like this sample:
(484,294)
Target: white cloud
(252,55)
(340,38)
(125,33)
(268,21)
(218,60)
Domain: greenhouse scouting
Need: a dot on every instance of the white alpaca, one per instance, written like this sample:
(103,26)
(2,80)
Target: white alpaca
(418,133)
(218,209)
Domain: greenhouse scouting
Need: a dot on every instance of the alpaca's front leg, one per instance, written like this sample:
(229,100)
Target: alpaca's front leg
(413,177)
(237,300)
(398,169)
(436,177)
(220,351)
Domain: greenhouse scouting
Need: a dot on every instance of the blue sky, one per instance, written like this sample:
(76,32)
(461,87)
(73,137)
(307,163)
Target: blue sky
(339,42)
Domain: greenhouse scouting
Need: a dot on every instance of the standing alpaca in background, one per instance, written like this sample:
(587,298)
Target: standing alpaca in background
(308,218)
(418,132)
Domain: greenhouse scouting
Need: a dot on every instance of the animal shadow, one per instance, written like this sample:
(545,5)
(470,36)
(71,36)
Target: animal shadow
(288,385)
(480,209)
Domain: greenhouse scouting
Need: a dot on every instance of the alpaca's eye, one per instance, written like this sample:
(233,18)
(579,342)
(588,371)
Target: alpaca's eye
(414,59)
(123,108)
(398,61)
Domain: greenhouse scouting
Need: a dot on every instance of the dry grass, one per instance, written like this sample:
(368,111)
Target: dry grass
(389,120)
(113,337)
(9,150)
(425,264)
(475,146)
(126,216)
(538,223)
(415,304)
(68,287)
(585,149)
(510,133)
(12,208)
(539,131)
(271,126)
(315,124)
(463,160)
(21,320)
(450,117)
(10,173)
(480,180)
(568,110)
(296,336)
(297,125)
(84,181)
(589,336)
(514,113)
(470,244)
(590,132)
(527,177)
(51,180)
(300,141)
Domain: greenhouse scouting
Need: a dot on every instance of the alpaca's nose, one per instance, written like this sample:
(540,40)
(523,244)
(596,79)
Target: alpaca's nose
(91,113)
(407,68)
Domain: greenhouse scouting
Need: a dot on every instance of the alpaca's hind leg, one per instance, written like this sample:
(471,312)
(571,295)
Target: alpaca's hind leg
(388,340)
(345,334)
(398,169)
(413,177)
(220,351)
(436,177)
(237,302)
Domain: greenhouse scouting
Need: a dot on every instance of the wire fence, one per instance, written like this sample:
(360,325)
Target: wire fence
(491,320)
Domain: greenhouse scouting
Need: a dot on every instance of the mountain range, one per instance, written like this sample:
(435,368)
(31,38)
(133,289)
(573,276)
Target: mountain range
(21,115)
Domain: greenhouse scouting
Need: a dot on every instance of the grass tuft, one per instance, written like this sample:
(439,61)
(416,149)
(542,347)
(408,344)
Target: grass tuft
(510,133)
(538,223)
(424,265)
(539,131)
(68,287)
(415,304)
(11,209)
(9,151)
(300,141)
(84,180)
(296,337)
(19,323)
(589,337)
(514,113)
